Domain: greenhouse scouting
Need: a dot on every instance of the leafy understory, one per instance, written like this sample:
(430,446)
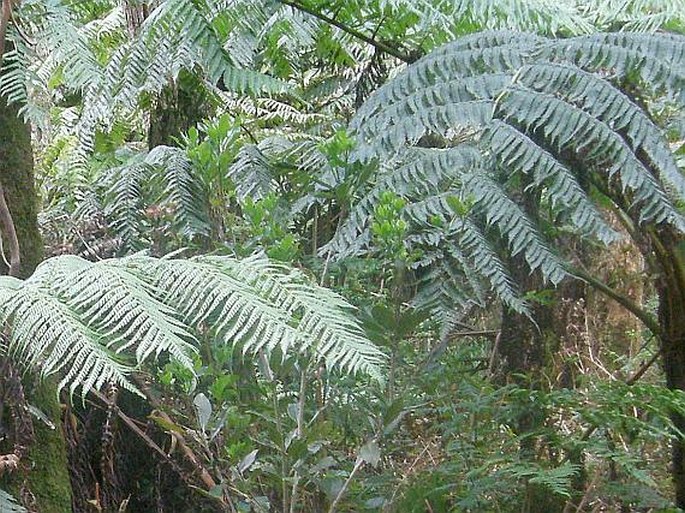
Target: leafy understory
(95,322)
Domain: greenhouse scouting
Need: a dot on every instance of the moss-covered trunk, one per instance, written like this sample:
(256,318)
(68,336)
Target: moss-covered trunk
(44,472)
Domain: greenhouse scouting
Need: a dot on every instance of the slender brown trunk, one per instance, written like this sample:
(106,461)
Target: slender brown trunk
(668,247)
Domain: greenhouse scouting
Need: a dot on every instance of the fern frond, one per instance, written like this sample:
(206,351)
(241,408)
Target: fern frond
(513,224)
(554,110)
(565,125)
(422,173)
(514,148)
(46,333)
(251,173)
(263,306)
(126,203)
(602,100)
(93,323)
(9,504)
(113,300)
(181,188)
(450,284)
(486,261)
(653,56)
(177,34)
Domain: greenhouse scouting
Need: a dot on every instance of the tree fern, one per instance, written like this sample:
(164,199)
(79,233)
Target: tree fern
(94,323)
(537,116)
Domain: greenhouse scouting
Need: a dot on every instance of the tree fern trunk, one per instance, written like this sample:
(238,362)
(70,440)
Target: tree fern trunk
(670,250)
(45,478)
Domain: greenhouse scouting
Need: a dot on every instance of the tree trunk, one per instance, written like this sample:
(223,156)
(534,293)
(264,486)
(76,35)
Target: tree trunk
(670,250)
(44,481)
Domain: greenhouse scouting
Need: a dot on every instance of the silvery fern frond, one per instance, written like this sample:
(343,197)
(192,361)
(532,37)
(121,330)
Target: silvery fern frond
(538,115)
(8,504)
(94,323)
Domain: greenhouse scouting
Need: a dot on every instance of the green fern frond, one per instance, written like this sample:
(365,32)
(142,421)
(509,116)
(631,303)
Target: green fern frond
(602,100)
(93,323)
(653,56)
(264,306)
(514,148)
(251,172)
(47,334)
(565,125)
(635,15)
(178,34)
(487,263)
(513,224)
(450,284)
(124,207)
(422,173)
(552,110)
(181,188)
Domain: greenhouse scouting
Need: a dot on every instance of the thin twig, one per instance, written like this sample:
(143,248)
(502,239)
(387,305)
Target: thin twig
(9,229)
(357,465)
(380,45)
(300,433)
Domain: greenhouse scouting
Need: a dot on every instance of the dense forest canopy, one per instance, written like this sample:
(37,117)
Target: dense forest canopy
(362,255)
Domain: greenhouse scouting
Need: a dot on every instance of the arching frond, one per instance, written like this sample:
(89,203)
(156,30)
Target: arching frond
(95,322)
(513,148)
(47,334)
(264,306)
(514,226)
(535,111)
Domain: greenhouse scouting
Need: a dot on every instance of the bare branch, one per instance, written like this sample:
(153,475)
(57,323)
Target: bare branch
(380,45)
(11,234)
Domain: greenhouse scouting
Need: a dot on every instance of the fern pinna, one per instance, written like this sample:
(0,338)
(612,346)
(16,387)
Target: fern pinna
(472,128)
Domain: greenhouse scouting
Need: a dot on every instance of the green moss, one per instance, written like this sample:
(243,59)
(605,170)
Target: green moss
(48,478)
(16,176)
(48,472)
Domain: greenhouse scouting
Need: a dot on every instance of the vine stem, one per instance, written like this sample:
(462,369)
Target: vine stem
(648,320)
(380,45)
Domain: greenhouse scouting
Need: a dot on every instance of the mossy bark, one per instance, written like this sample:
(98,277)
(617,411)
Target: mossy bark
(16,176)
(46,472)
